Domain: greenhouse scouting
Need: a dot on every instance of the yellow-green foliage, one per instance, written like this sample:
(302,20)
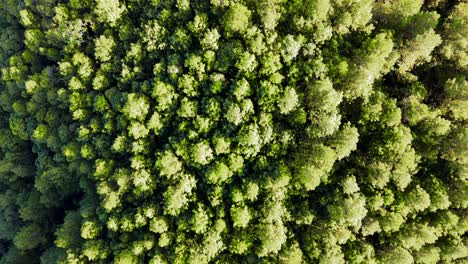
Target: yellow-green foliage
(233,131)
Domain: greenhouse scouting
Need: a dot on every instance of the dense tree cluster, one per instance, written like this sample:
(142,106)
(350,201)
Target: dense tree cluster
(233,131)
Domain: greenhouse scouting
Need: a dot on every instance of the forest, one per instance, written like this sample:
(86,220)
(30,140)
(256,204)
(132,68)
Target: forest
(233,131)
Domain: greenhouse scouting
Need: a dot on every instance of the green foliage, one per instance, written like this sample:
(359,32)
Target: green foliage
(369,65)
(348,211)
(455,30)
(237,18)
(108,11)
(136,106)
(418,50)
(428,254)
(68,234)
(398,254)
(103,48)
(233,131)
(89,230)
(29,237)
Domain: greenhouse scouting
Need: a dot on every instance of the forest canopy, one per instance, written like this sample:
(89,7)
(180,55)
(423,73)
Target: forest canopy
(233,131)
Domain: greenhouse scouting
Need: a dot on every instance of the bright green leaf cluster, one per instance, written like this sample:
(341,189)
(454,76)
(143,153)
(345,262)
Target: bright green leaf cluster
(233,131)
